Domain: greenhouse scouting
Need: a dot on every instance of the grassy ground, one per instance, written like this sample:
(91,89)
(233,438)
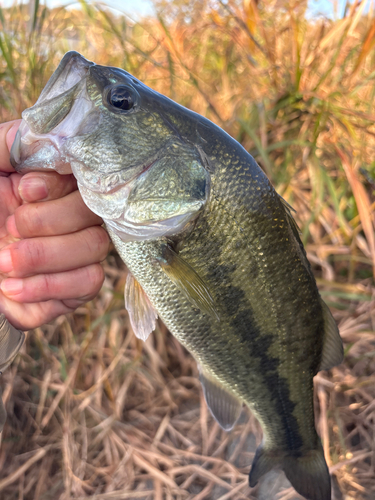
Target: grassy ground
(93,412)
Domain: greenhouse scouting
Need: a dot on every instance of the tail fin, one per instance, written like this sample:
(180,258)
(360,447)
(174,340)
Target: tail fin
(308,473)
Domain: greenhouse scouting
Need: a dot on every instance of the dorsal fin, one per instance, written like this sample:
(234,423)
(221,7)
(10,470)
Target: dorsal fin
(333,351)
(288,210)
(224,406)
(188,281)
(142,315)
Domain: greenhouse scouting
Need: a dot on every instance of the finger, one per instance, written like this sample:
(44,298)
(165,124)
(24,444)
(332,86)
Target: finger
(56,254)
(78,285)
(61,216)
(38,186)
(28,316)
(7,134)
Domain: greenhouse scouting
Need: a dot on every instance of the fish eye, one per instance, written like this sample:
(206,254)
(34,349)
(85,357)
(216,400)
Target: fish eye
(121,97)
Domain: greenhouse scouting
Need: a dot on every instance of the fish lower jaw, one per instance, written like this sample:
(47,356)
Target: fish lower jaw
(31,152)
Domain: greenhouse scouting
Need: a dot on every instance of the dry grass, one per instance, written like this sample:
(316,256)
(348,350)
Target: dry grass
(93,412)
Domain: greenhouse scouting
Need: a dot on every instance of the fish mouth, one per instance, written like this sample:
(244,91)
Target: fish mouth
(62,111)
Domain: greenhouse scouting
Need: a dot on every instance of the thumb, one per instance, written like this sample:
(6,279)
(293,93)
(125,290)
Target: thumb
(8,132)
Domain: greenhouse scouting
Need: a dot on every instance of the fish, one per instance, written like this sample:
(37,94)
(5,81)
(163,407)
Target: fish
(11,341)
(211,248)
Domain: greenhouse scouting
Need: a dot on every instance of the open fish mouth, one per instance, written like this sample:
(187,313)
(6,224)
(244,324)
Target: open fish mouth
(63,110)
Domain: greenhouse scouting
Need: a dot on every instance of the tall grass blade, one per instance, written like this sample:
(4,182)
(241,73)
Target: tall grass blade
(363,203)
(367,46)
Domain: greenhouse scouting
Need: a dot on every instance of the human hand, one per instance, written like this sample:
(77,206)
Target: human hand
(50,250)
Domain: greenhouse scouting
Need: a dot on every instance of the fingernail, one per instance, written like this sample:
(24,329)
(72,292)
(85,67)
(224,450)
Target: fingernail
(32,189)
(11,226)
(12,133)
(6,264)
(11,286)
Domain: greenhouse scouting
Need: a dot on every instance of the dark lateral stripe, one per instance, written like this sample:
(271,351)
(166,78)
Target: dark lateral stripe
(277,386)
(236,308)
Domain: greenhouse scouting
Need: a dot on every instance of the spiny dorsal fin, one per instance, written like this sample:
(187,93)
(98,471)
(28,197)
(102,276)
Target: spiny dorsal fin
(288,210)
(296,232)
(188,281)
(333,352)
(225,407)
(142,315)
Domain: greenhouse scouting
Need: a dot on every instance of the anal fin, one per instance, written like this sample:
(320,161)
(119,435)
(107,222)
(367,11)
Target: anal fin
(333,352)
(142,315)
(224,406)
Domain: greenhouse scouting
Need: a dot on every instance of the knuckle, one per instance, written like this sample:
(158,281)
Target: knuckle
(95,278)
(98,241)
(46,286)
(31,254)
(28,220)
(59,186)
(72,304)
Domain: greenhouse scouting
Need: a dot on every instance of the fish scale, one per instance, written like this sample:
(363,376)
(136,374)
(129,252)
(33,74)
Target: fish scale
(210,246)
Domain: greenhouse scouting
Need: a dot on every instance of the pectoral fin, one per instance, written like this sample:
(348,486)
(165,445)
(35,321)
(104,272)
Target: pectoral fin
(188,282)
(142,315)
(225,407)
(333,352)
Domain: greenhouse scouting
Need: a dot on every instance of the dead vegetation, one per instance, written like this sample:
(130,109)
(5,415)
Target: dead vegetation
(95,413)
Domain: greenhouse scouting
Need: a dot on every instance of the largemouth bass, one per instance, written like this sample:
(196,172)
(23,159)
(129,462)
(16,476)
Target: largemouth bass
(211,249)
